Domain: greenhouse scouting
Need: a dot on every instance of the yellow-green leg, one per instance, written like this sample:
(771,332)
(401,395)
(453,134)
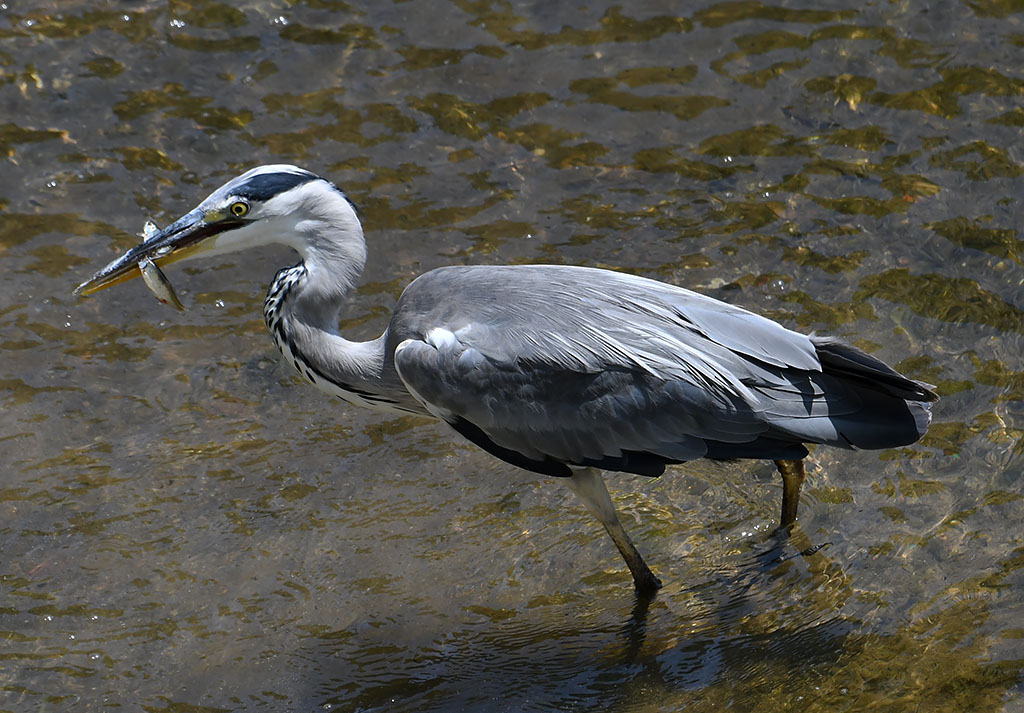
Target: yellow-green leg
(792,472)
(589,487)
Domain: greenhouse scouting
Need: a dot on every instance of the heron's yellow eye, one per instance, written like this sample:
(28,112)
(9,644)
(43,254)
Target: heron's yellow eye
(239,208)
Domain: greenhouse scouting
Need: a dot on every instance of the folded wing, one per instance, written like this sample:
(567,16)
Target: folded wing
(550,366)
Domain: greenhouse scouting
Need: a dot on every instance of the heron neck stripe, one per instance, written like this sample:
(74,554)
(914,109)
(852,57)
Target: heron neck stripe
(279,291)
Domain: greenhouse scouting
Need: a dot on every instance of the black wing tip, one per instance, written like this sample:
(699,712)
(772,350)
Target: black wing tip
(843,359)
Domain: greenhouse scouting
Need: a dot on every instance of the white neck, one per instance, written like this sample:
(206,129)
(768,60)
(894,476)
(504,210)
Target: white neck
(303,303)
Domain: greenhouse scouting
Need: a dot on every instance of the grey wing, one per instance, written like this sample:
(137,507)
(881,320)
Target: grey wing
(541,415)
(608,373)
(550,365)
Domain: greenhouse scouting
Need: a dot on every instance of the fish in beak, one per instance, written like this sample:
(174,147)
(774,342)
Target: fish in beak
(181,239)
(159,285)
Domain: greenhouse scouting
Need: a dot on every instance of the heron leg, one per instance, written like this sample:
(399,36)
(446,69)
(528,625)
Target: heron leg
(589,487)
(792,472)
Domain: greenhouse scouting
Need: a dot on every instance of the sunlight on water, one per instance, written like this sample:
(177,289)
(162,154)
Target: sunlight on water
(188,527)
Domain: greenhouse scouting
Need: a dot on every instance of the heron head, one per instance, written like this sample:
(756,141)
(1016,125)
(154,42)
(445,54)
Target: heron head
(268,204)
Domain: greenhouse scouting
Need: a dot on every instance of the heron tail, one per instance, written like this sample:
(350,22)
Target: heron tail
(887,425)
(845,361)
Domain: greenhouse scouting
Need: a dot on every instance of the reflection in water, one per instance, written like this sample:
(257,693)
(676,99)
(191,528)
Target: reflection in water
(747,626)
(186,528)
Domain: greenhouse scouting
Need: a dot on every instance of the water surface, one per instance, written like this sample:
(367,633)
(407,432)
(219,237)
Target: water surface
(187,527)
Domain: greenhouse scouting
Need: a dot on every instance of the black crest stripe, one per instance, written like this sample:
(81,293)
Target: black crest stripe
(267,185)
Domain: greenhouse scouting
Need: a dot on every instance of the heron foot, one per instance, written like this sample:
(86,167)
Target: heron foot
(646,585)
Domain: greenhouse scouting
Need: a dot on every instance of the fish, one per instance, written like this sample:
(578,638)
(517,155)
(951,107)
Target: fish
(149,230)
(158,283)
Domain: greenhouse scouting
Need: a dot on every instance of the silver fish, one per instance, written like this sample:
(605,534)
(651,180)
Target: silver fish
(158,283)
(149,230)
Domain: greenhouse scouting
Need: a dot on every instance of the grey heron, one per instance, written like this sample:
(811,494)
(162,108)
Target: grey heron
(561,370)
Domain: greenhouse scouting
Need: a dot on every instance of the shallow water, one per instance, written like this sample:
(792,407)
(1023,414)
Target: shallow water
(186,527)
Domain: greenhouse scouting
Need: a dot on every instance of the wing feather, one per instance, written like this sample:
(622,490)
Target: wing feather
(573,365)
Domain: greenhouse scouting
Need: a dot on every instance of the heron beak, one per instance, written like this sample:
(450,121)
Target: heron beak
(183,238)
